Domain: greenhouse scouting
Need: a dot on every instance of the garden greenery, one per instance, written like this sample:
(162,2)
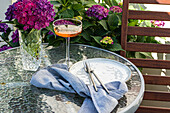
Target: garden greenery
(101,25)
(100,20)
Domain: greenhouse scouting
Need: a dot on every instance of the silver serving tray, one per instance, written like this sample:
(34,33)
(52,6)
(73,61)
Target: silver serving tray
(107,70)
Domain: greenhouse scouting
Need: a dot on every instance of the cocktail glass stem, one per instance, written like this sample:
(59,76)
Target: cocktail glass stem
(67,51)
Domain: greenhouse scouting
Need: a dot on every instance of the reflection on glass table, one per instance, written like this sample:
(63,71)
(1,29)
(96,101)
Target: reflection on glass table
(17,95)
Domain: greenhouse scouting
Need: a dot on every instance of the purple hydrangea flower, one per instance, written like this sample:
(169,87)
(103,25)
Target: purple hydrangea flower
(3,27)
(115,9)
(97,11)
(10,11)
(5,47)
(35,14)
(9,14)
(15,36)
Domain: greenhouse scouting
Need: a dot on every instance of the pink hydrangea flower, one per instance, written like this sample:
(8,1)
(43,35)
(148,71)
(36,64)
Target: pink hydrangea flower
(115,9)
(158,23)
(107,40)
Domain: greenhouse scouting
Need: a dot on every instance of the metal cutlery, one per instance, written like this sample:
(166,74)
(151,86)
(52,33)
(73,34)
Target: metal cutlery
(89,70)
(91,77)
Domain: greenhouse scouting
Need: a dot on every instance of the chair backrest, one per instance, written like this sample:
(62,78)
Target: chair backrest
(148,47)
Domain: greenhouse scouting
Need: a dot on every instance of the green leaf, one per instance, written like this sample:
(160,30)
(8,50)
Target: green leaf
(130,54)
(104,24)
(8,22)
(138,55)
(97,39)
(113,21)
(147,54)
(86,24)
(115,2)
(143,55)
(14,44)
(140,39)
(68,13)
(86,34)
(77,7)
(100,31)
(62,1)
(75,39)
(133,23)
(49,36)
(89,3)
(55,2)
(114,47)
(150,39)
(51,28)
(148,23)
(108,2)
(141,8)
(32,30)
(55,42)
(5,36)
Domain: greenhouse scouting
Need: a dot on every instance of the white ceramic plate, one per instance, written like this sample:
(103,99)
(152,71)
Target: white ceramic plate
(107,70)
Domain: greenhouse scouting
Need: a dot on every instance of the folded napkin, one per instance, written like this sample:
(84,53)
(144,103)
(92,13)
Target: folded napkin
(56,77)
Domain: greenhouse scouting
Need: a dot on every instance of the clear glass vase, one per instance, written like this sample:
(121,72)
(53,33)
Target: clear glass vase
(31,49)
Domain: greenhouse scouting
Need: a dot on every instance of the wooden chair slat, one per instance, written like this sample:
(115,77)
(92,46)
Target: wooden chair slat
(158,96)
(151,63)
(148,47)
(149,15)
(164,2)
(148,31)
(157,80)
(150,109)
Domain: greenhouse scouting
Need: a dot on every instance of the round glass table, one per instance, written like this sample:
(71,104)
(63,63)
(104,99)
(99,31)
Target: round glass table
(17,95)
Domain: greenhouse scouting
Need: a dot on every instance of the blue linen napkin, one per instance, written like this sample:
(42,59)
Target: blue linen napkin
(56,77)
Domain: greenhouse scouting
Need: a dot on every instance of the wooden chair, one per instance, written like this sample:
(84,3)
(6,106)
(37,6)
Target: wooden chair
(155,80)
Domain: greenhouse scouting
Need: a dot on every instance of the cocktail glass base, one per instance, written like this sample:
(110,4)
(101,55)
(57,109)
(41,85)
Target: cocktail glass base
(69,62)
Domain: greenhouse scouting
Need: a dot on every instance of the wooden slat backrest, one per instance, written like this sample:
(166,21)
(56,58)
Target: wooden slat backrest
(149,15)
(144,31)
(157,80)
(148,47)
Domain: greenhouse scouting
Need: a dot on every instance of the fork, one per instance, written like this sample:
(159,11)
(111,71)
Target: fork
(87,69)
(92,71)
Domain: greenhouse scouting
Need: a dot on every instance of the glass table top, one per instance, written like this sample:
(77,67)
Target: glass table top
(17,95)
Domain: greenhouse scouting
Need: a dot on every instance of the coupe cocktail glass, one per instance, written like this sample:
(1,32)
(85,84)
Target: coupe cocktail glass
(67,27)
